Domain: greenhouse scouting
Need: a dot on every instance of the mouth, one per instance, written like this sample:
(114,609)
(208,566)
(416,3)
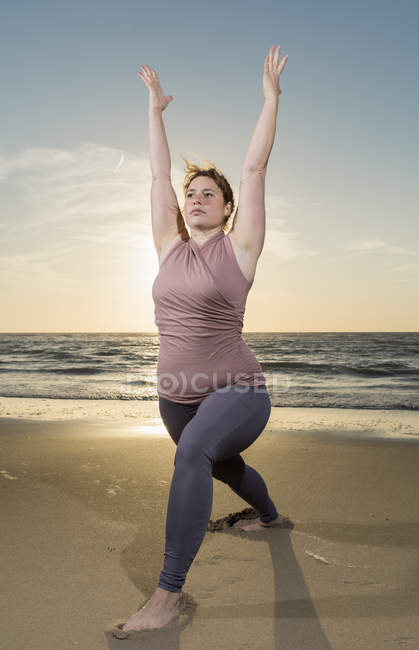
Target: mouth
(197,212)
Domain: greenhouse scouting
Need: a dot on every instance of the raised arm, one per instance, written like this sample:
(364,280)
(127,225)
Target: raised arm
(166,217)
(248,228)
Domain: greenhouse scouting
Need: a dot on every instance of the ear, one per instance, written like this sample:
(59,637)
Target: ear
(229,207)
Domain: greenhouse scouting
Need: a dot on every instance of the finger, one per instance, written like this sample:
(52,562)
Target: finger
(270,55)
(276,57)
(148,73)
(145,79)
(282,64)
(147,83)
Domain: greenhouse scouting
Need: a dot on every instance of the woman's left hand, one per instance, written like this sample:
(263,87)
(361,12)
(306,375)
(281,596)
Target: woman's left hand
(272,73)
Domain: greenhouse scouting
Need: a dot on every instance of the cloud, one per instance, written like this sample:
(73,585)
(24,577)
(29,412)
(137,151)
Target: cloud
(286,246)
(365,246)
(412,269)
(58,202)
(79,187)
(280,243)
(119,164)
(315,204)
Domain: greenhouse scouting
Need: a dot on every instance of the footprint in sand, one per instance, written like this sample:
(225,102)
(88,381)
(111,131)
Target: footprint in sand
(113,490)
(6,474)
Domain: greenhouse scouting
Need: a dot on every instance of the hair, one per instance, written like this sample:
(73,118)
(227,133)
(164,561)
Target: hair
(192,171)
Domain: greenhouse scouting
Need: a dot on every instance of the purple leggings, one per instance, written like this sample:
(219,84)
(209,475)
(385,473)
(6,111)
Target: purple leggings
(209,438)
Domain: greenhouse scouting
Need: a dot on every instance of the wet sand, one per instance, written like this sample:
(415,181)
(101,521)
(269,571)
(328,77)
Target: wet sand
(83,507)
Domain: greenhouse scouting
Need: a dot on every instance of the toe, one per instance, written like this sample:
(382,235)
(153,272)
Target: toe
(118,632)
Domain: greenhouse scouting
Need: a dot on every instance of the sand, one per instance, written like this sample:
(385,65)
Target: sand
(84,492)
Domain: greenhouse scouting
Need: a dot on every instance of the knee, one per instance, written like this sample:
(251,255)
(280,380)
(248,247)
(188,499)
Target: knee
(192,452)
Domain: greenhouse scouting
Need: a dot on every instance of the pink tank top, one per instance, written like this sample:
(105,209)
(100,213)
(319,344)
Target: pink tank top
(199,296)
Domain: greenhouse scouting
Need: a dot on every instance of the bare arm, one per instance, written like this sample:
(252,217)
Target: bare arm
(263,137)
(249,222)
(159,154)
(166,218)
(262,140)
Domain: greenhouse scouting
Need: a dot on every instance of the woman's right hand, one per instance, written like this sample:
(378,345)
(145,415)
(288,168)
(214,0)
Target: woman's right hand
(157,97)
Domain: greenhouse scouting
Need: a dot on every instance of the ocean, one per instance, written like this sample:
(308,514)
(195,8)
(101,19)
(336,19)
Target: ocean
(362,370)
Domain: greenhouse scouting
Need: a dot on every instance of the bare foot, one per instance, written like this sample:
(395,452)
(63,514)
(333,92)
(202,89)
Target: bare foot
(162,608)
(257,524)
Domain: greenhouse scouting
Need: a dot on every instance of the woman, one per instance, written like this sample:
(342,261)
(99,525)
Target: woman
(212,394)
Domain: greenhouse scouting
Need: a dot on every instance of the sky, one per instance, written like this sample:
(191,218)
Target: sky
(341,250)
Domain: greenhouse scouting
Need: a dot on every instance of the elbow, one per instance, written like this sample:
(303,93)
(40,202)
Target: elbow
(161,176)
(261,171)
(253,171)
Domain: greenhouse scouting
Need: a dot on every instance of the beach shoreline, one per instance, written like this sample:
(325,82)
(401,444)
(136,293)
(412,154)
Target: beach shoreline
(338,422)
(84,501)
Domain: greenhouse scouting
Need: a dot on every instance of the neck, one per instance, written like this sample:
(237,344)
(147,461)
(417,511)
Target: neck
(200,237)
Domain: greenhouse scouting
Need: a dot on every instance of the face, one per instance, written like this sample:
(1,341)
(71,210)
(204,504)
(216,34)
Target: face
(204,194)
